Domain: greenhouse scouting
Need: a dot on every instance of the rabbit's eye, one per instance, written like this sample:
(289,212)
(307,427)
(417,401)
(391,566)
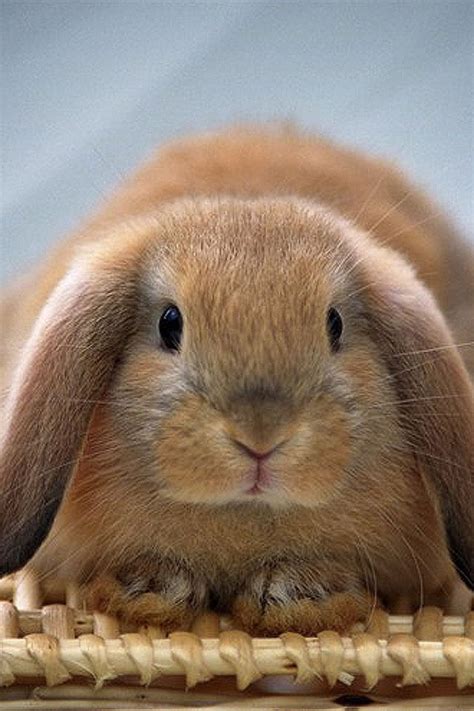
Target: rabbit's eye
(335,327)
(171,328)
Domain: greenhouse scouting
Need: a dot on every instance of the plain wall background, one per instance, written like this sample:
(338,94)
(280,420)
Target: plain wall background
(89,88)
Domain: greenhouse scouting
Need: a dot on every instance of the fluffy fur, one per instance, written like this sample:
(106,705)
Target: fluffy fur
(254,234)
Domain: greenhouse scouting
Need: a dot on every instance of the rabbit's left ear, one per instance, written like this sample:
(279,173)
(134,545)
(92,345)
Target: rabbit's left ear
(64,369)
(436,399)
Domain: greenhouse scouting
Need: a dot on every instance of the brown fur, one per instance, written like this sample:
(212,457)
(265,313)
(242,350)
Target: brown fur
(254,234)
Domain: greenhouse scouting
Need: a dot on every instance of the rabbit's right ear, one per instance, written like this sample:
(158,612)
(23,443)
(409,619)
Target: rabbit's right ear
(65,367)
(435,398)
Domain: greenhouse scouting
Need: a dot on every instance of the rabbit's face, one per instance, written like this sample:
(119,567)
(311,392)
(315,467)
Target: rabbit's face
(253,377)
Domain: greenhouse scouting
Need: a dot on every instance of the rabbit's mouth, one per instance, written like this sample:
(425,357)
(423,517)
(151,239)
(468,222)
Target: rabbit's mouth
(261,479)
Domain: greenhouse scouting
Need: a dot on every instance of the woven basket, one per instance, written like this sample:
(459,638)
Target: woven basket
(55,654)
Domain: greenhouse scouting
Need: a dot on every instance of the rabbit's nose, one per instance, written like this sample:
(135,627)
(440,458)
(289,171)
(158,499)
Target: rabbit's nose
(255,454)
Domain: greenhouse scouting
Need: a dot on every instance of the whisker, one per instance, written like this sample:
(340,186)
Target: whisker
(410,368)
(412,226)
(412,552)
(390,211)
(359,291)
(413,399)
(429,455)
(466,344)
(370,588)
(371,195)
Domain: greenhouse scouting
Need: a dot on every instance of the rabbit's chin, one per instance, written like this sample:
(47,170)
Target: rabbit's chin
(277,500)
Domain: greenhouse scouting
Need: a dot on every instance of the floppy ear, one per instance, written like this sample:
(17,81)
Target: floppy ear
(435,399)
(64,368)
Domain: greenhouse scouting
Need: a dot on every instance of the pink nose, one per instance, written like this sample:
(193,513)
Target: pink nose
(259,456)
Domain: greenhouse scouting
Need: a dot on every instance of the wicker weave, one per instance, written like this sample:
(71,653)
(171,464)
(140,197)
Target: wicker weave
(49,643)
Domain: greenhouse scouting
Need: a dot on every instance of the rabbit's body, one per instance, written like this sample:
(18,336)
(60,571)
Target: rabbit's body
(157,500)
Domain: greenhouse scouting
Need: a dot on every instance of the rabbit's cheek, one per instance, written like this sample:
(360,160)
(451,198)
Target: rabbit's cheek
(318,456)
(195,461)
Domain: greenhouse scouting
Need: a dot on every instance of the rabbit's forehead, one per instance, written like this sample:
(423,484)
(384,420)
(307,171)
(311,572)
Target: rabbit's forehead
(261,277)
(295,255)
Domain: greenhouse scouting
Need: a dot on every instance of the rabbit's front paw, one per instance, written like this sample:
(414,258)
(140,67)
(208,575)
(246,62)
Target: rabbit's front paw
(161,593)
(285,597)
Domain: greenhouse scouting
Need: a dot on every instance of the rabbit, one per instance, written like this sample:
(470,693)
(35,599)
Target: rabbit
(237,387)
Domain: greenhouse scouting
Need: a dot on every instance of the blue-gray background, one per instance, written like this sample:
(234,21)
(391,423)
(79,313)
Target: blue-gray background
(89,88)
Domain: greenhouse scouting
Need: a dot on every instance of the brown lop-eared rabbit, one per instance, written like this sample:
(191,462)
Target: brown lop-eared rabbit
(238,387)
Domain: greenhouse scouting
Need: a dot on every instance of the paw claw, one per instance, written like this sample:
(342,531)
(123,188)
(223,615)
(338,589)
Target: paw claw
(339,612)
(137,605)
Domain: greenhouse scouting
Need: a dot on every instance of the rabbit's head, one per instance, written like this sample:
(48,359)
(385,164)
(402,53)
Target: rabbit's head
(254,352)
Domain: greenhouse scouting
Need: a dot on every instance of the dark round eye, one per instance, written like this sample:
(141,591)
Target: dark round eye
(335,327)
(171,327)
